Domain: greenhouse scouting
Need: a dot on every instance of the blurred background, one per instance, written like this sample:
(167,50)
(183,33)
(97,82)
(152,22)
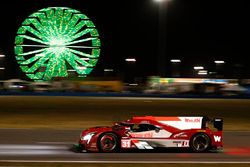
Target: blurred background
(153,86)
(147,47)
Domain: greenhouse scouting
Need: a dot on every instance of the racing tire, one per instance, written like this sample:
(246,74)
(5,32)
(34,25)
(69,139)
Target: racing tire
(108,142)
(200,142)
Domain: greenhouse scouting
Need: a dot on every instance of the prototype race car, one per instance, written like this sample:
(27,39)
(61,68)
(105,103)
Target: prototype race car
(149,132)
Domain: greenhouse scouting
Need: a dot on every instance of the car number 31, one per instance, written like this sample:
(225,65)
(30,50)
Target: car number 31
(126,143)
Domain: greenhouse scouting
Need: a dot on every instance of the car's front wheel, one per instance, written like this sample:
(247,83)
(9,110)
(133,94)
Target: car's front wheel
(200,142)
(108,142)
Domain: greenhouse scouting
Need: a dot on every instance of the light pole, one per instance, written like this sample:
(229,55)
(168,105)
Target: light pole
(108,72)
(162,37)
(130,69)
(219,68)
(2,66)
(199,70)
(175,67)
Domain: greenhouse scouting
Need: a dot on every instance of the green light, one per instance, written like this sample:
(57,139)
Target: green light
(56,40)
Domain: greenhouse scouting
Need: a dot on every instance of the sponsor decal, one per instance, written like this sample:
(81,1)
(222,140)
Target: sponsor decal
(179,135)
(185,143)
(142,145)
(217,138)
(142,134)
(180,143)
(192,120)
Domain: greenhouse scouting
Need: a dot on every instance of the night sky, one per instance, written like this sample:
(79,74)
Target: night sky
(197,32)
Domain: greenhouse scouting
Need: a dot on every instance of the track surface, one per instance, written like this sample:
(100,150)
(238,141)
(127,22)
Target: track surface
(54,145)
(18,145)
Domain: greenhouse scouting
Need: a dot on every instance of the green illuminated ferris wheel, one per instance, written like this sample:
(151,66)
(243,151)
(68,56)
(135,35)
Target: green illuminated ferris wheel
(57,42)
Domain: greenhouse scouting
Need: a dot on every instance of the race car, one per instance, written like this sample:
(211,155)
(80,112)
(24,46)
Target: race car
(152,132)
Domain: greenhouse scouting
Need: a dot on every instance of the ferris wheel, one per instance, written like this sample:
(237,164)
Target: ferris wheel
(57,42)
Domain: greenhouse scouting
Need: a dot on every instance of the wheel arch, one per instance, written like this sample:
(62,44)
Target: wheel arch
(103,133)
(200,133)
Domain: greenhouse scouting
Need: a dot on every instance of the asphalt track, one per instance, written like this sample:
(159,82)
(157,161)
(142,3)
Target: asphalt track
(47,145)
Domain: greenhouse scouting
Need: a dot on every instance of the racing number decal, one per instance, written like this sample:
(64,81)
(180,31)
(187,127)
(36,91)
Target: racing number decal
(185,143)
(126,143)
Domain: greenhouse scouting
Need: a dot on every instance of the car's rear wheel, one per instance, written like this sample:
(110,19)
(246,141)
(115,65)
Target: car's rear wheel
(108,142)
(200,142)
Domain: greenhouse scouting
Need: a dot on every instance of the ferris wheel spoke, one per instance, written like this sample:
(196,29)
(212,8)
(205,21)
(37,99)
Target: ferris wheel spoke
(38,46)
(50,70)
(32,59)
(79,41)
(80,25)
(80,34)
(81,61)
(66,18)
(55,68)
(76,28)
(32,52)
(46,28)
(82,53)
(38,63)
(71,24)
(33,31)
(33,39)
(42,33)
(74,65)
(62,68)
(83,47)
(58,20)
(36,76)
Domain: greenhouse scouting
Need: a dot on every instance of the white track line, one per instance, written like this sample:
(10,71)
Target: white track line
(30,147)
(55,143)
(136,162)
(157,98)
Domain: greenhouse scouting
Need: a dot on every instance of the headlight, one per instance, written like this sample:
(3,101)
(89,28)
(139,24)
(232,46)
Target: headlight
(88,136)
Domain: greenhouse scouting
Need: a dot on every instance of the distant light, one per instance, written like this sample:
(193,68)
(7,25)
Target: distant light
(162,0)
(2,68)
(108,70)
(175,61)
(130,60)
(219,62)
(2,55)
(202,72)
(133,84)
(198,67)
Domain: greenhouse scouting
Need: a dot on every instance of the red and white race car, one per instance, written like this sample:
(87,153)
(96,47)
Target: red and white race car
(149,132)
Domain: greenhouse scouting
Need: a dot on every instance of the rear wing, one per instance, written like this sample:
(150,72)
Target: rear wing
(218,123)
